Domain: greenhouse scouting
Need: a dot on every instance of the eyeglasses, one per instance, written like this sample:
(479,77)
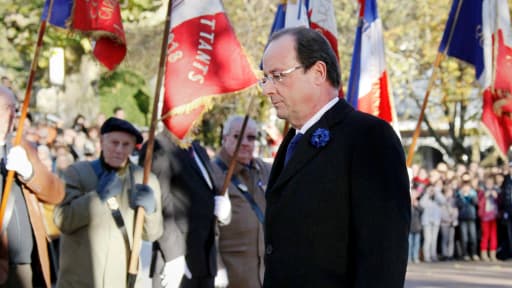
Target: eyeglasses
(275,77)
(250,138)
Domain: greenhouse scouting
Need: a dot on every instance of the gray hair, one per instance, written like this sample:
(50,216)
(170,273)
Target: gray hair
(232,120)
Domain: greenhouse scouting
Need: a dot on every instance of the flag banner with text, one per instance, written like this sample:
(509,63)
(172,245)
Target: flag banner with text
(204,60)
(98,19)
(368,88)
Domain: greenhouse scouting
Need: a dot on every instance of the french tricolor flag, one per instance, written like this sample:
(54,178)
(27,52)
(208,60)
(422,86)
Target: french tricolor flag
(368,88)
(204,60)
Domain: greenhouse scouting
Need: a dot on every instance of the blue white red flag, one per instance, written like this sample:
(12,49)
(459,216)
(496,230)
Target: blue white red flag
(204,59)
(368,88)
(99,19)
(478,32)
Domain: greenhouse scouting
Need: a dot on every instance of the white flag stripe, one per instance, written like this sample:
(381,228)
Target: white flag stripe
(190,9)
(372,57)
(495,17)
(322,13)
(296,15)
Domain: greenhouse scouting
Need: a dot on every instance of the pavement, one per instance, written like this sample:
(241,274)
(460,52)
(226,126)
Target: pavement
(452,274)
(460,274)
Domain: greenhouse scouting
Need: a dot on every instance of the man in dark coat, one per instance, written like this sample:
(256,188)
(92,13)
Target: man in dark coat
(338,204)
(185,255)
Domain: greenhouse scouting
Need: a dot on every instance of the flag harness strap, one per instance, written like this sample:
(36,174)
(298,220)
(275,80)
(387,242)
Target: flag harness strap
(244,190)
(112,203)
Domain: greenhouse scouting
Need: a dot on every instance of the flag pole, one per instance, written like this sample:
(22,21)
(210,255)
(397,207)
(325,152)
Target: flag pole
(26,101)
(139,214)
(410,155)
(232,163)
(437,62)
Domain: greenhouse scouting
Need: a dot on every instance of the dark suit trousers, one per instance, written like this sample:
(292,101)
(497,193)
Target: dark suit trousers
(197,282)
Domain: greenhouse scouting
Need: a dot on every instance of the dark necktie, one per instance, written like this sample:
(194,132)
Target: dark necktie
(291,147)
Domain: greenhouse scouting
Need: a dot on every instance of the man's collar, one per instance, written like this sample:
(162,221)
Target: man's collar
(317,116)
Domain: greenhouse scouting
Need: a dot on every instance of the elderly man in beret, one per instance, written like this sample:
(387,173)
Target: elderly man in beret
(97,215)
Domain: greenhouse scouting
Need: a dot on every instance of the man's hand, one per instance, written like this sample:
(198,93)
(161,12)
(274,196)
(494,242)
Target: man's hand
(221,280)
(17,160)
(222,209)
(173,273)
(108,185)
(144,197)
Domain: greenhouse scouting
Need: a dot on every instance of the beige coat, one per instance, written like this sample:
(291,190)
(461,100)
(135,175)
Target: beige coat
(93,251)
(241,243)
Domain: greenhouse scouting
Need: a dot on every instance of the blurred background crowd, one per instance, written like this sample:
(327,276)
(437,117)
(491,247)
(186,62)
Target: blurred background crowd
(461,213)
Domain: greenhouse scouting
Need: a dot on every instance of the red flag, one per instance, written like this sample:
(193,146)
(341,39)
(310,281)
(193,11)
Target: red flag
(497,98)
(496,117)
(100,19)
(204,59)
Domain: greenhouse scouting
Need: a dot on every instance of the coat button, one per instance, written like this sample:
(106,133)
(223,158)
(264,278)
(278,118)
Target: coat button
(269,249)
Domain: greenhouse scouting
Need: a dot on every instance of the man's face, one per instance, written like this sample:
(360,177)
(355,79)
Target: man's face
(7,114)
(116,147)
(246,146)
(291,97)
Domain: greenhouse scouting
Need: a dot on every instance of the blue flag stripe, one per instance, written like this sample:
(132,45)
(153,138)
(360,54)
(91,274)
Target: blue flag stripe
(61,11)
(465,43)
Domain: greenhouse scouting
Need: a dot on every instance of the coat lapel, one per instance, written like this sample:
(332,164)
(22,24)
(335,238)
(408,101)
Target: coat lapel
(203,158)
(305,151)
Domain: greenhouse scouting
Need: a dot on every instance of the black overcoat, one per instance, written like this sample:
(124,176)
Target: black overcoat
(339,215)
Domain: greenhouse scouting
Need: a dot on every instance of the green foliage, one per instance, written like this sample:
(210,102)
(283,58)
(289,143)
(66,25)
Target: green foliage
(125,89)
(143,103)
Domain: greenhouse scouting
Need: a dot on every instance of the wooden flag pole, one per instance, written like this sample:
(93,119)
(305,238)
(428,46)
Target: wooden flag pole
(410,155)
(437,62)
(232,163)
(139,214)
(26,101)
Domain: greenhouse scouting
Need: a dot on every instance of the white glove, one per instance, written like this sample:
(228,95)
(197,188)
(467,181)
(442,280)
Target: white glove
(173,273)
(223,209)
(17,160)
(221,280)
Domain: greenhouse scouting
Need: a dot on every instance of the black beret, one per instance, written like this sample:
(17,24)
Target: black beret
(115,124)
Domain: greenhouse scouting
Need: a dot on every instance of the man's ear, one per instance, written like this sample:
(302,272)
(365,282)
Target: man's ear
(320,72)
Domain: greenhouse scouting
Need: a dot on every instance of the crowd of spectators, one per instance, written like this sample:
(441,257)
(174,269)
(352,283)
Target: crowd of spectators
(461,213)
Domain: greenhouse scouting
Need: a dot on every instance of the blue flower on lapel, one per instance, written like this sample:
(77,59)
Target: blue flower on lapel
(320,137)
